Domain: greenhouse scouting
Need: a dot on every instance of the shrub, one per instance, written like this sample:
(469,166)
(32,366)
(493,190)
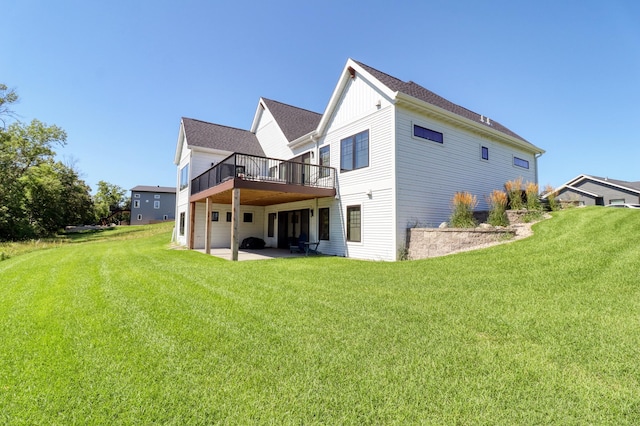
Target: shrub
(551,198)
(533,202)
(498,205)
(463,204)
(514,192)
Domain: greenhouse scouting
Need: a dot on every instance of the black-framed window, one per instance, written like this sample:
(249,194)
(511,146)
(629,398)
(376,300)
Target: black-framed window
(271,225)
(323,223)
(354,152)
(228,216)
(519,162)
(424,133)
(484,152)
(184,177)
(215,216)
(354,223)
(247,217)
(325,160)
(182,224)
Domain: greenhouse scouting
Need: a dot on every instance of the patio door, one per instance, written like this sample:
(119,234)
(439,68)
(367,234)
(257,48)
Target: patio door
(290,225)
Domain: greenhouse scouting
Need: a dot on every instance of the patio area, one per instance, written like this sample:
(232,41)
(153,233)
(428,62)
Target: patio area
(264,254)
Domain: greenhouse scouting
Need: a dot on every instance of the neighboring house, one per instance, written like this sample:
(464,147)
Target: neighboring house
(385,155)
(151,204)
(586,190)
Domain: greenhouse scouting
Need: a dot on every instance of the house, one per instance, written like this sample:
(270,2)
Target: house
(586,190)
(384,155)
(151,204)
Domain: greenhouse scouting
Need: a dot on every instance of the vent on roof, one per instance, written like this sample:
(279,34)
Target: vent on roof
(485,120)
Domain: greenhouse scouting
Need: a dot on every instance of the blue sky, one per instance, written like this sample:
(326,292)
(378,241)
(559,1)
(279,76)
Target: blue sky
(118,75)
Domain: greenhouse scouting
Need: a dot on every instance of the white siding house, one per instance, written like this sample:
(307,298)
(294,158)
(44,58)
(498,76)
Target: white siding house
(385,154)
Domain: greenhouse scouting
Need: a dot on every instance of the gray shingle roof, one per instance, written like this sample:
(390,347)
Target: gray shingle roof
(145,188)
(415,90)
(214,136)
(293,121)
(631,185)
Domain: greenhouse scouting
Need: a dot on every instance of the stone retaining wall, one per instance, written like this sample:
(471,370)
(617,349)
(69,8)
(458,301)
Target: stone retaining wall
(423,243)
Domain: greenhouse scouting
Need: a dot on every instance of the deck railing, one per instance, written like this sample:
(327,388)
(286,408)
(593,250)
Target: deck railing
(263,169)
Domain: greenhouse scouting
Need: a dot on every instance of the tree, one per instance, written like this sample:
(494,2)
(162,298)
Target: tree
(38,195)
(7,97)
(109,198)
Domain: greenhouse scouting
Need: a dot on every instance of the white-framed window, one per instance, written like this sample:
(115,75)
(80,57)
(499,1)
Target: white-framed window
(354,152)
(139,217)
(136,204)
(184,177)
(428,134)
(354,223)
(325,160)
(519,162)
(165,217)
(156,204)
(136,195)
(156,196)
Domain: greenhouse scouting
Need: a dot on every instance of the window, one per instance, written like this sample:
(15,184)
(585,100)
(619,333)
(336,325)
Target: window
(247,217)
(184,177)
(156,196)
(215,216)
(323,223)
(354,152)
(136,195)
(617,201)
(424,133)
(165,217)
(136,204)
(271,226)
(156,204)
(353,223)
(139,217)
(228,216)
(520,162)
(325,160)
(182,223)
(484,153)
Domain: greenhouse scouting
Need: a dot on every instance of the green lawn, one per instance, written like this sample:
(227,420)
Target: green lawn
(117,328)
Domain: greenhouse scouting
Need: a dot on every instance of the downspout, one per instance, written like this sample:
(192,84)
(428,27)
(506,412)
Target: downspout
(535,157)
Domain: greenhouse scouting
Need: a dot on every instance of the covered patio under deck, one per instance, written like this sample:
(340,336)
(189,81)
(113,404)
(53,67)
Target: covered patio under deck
(257,181)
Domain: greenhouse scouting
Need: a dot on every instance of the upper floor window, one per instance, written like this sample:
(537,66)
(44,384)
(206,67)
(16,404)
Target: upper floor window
(136,195)
(424,133)
(184,177)
(156,196)
(325,160)
(136,204)
(354,152)
(520,162)
(484,152)
(156,204)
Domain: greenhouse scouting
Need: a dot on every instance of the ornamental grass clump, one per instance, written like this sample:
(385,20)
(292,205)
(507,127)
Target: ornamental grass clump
(533,203)
(463,204)
(551,198)
(514,192)
(498,205)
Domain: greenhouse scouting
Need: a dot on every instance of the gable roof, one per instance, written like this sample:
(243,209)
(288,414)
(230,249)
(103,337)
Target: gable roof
(628,186)
(293,121)
(145,188)
(215,136)
(415,90)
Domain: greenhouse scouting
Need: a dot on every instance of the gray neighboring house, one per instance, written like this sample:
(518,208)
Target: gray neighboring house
(586,190)
(152,204)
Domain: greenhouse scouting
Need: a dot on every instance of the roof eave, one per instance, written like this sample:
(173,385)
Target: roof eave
(411,101)
(302,140)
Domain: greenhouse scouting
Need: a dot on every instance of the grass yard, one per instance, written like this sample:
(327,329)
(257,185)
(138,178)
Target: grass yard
(116,328)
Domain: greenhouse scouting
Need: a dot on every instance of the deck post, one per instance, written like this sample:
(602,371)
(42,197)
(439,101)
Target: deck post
(235,218)
(207,227)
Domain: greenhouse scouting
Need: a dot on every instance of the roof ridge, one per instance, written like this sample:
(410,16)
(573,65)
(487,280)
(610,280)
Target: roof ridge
(216,124)
(289,105)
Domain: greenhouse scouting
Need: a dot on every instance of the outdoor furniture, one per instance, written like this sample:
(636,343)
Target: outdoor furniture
(311,247)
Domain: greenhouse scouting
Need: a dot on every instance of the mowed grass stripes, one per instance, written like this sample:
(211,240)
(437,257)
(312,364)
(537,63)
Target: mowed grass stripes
(120,329)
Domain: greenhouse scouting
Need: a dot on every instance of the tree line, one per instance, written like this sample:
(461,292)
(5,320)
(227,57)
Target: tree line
(39,195)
